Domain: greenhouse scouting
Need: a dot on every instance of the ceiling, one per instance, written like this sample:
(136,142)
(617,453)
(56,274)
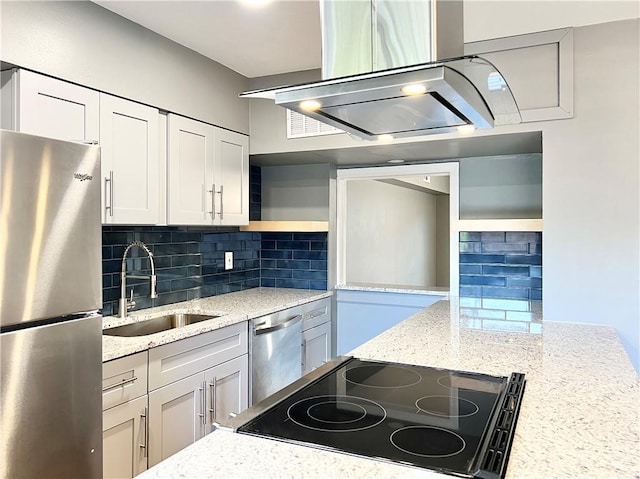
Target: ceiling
(250,37)
(284,36)
(411,152)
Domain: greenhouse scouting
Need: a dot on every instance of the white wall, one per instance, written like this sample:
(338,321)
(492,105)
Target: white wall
(442,240)
(84,43)
(591,184)
(591,178)
(390,234)
(295,192)
(486,19)
(507,186)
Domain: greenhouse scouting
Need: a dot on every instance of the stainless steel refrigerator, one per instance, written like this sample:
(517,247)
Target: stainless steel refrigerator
(50,297)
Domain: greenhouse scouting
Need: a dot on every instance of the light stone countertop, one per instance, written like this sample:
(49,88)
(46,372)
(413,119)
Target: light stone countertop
(232,308)
(579,418)
(395,288)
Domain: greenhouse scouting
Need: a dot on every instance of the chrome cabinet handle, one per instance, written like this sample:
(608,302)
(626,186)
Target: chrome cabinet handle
(202,401)
(221,214)
(143,416)
(212,409)
(304,354)
(213,200)
(276,327)
(124,382)
(108,181)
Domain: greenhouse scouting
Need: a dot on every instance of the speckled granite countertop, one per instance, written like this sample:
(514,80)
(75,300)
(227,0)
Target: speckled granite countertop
(579,417)
(395,288)
(232,308)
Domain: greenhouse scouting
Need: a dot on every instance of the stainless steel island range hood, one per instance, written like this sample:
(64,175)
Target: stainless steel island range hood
(383,75)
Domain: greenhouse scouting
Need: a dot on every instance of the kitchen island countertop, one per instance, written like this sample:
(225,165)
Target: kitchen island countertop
(579,417)
(232,308)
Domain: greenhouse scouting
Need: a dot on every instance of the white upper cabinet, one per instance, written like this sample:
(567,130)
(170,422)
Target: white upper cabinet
(190,188)
(208,174)
(129,138)
(232,172)
(48,107)
(207,168)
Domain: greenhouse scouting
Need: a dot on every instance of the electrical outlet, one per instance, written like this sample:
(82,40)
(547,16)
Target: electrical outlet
(228,260)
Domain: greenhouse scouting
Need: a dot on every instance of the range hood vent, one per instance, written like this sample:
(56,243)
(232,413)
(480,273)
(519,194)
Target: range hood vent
(388,98)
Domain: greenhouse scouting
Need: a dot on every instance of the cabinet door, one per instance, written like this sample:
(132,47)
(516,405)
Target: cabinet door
(232,178)
(176,417)
(130,162)
(190,174)
(124,379)
(316,343)
(57,109)
(227,389)
(124,439)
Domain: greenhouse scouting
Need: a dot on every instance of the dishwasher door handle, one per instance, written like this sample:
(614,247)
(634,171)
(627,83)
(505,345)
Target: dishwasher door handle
(276,327)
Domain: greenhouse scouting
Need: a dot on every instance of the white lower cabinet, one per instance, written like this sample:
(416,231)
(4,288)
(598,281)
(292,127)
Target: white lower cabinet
(316,334)
(124,416)
(124,438)
(184,411)
(159,401)
(228,388)
(176,417)
(316,344)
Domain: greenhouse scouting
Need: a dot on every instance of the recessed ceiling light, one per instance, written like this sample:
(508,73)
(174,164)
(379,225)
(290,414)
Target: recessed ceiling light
(385,138)
(414,89)
(255,3)
(310,105)
(466,129)
(395,161)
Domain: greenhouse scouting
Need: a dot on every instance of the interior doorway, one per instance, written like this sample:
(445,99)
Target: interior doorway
(398,226)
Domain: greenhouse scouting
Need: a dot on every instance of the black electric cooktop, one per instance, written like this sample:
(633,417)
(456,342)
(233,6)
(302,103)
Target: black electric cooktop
(455,422)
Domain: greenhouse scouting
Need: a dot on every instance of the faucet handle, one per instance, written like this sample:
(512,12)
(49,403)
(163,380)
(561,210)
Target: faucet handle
(131,304)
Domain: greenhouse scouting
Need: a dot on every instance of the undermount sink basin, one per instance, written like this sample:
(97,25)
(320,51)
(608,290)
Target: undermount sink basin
(157,325)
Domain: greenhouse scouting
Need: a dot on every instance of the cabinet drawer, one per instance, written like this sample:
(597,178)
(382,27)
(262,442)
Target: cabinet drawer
(174,361)
(124,379)
(316,313)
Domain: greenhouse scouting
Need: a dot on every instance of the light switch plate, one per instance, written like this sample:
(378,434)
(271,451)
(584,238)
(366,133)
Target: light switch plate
(228,260)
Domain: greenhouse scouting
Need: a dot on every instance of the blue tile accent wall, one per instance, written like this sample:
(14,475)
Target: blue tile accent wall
(504,265)
(294,260)
(255,193)
(189,264)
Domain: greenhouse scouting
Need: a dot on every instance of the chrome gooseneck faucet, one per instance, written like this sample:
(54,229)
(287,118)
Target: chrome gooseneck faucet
(125,304)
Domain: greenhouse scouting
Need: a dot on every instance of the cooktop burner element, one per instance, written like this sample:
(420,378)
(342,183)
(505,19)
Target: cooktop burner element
(379,376)
(453,422)
(447,406)
(336,413)
(427,441)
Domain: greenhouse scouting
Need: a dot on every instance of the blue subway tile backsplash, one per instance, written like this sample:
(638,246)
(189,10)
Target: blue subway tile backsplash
(190,264)
(503,265)
(294,260)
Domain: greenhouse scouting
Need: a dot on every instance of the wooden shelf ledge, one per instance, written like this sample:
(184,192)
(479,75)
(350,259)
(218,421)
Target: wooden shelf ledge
(500,225)
(287,226)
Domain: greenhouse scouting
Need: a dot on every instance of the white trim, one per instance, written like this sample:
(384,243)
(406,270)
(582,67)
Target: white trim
(387,172)
(564,39)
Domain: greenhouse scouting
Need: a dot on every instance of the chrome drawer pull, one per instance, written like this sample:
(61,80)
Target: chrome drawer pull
(124,382)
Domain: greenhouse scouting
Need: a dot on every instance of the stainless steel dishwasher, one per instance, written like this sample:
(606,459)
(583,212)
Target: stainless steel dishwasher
(276,352)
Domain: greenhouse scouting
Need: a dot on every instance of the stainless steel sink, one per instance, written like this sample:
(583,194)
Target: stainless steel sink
(157,325)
